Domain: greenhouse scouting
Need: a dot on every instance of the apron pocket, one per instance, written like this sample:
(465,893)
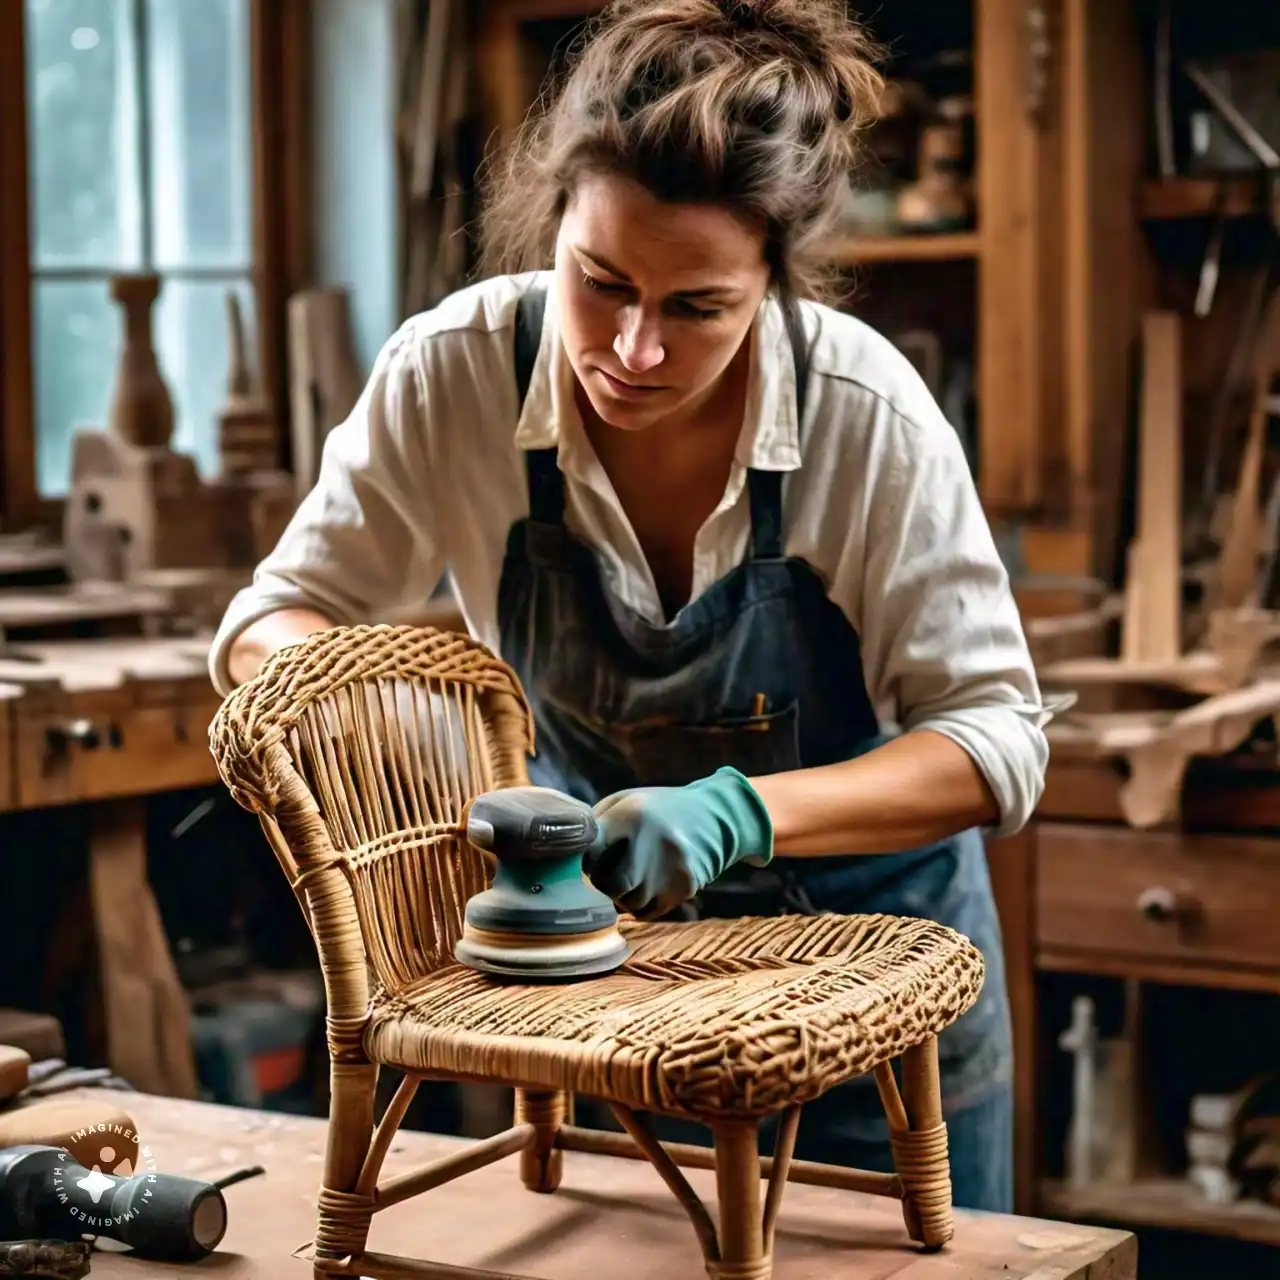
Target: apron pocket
(673,755)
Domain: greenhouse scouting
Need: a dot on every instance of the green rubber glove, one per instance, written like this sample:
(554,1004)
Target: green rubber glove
(660,845)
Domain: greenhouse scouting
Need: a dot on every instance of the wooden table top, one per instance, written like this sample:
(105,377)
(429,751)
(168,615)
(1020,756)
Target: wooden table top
(610,1217)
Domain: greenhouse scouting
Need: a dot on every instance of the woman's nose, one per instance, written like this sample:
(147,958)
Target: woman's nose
(639,341)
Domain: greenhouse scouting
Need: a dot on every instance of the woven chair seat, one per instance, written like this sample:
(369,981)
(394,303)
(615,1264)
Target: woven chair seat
(724,1018)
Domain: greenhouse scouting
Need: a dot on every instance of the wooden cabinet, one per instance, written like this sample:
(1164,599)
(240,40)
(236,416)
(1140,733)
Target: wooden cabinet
(1090,905)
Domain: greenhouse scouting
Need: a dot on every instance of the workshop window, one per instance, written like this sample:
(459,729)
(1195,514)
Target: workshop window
(140,158)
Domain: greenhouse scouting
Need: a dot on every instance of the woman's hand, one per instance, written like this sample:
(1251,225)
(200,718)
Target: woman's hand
(661,845)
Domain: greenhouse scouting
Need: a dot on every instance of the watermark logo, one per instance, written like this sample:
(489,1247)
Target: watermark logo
(111,1192)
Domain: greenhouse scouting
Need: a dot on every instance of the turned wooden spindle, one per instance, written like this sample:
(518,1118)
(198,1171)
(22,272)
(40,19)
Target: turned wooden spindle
(141,410)
(239,380)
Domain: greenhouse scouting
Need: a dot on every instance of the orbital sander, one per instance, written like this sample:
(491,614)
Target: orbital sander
(541,918)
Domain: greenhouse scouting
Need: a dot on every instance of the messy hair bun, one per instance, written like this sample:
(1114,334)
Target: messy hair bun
(756,105)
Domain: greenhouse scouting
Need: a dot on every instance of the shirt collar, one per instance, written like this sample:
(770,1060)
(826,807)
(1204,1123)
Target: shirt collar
(770,438)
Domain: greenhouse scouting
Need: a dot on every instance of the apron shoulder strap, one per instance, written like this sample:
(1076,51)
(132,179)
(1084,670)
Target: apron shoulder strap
(764,488)
(530,310)
(546,484)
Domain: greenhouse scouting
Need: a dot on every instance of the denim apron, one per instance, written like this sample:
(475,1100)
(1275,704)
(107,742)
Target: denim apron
(762,672)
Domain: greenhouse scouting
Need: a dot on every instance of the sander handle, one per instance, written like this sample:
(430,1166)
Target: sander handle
(531,824)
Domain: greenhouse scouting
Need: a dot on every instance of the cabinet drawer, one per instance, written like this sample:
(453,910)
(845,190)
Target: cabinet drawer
(1178,898)
(98,746)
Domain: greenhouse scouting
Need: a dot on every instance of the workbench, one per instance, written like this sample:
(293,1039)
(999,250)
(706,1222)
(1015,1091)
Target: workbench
(610,1217)
(104,723)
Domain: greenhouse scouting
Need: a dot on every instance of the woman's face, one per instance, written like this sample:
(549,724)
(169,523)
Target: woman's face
(656,299)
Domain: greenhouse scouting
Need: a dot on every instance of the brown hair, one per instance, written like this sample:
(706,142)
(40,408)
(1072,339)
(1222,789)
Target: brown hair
(755,105)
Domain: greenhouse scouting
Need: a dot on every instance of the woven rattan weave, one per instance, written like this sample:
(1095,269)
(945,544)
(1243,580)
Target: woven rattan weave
(359,749)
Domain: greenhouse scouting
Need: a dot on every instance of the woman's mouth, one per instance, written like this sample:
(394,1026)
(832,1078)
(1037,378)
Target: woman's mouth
(627,390)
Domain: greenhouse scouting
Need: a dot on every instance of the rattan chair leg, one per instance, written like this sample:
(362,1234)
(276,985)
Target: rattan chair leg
(920,1150)
(345,1211)
(743,1252)
(542,1165)
(637,1128)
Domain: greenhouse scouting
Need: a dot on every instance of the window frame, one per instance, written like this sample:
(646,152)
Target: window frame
(280,121)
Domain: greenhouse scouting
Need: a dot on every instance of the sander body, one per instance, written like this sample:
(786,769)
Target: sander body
(46,1195)
(541,918)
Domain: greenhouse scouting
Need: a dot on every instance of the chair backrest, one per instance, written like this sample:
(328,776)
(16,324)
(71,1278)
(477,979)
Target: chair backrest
(359,749)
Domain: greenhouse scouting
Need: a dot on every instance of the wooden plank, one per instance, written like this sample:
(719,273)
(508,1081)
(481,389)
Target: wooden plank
(1103,259)
(504,93)
(1159,746)
(1127,967)
(55,606)
(1232,794)
(1163,199)
(1050,550)
(1153,592)
(81,665)
(1012,863)
(851,250)
(609,1216)
(1238,559)
(8,780)
(19,500)
(1171,1203)
(1200,671)
(280,65)
(29,553)
(1015,136)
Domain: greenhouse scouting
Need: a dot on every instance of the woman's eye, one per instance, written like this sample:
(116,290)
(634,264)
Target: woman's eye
(685,310)
(600,286)
(700,313)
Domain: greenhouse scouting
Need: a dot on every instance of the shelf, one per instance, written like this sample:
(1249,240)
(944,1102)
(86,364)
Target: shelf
(1169,199)
(853,250)
(1169,1203)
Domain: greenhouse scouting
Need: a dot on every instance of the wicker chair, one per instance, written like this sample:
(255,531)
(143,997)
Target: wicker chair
(358,749)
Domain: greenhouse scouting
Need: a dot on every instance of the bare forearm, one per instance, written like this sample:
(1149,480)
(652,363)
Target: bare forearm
(914,790)
(258,641)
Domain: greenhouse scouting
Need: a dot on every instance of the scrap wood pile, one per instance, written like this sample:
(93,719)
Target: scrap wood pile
(1197,672)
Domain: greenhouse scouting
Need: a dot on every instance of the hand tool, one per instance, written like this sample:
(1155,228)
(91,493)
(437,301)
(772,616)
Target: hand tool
(1211,264)
(46,1194)
(541,918)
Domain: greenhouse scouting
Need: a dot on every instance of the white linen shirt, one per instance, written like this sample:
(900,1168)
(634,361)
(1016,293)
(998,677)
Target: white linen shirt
(428,474)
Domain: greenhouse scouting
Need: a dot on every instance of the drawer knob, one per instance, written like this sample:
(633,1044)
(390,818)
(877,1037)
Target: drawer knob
(1159,904)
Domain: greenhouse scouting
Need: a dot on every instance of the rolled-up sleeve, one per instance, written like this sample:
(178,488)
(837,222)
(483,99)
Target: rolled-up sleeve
(942,637)
(361,541)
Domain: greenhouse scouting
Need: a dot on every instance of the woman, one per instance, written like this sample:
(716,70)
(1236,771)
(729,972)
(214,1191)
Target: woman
(716,527)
